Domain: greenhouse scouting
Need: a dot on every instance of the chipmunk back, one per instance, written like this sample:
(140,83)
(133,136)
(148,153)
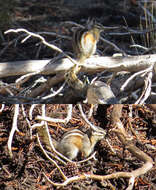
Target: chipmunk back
(84,41)
(73,142)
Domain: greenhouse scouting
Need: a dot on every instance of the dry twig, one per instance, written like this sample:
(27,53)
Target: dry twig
(13,129)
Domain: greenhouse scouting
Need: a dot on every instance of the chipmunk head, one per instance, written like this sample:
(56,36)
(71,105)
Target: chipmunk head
(96,135)
(94,25)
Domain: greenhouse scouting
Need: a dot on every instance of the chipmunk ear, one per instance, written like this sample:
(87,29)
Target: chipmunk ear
(90,23)
(94,24)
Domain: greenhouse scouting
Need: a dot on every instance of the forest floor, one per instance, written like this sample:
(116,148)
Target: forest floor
(25,170)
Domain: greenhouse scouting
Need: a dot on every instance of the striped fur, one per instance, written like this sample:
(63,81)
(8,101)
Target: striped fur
(85,40)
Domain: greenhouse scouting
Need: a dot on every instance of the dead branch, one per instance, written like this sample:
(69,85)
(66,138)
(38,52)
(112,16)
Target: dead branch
(124,138)
(13,129)
(49,119)
(2,107)
(43,132)
(52,161)
(47,85)
(31,34)
(91,65)
(60,66)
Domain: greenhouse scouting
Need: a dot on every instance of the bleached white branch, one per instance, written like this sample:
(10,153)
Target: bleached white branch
(45,131)
(93,64)
(57,166)
(13,129)
(54,93)
(93,127)
(25,115)
(49,119)
(2,107)
(31,110)
(30,34)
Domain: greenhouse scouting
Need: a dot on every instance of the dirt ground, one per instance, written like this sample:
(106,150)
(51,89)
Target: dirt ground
(25,170)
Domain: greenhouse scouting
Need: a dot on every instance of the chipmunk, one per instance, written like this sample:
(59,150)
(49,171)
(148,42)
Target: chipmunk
(74,141)
(84,45)
(85,39)
(100,93)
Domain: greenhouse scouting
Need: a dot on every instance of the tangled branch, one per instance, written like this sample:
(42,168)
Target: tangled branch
(43,136)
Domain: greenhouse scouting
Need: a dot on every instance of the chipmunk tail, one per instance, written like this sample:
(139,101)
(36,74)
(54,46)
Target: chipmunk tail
(46,139)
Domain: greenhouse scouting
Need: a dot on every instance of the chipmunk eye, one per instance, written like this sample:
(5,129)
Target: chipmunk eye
(99,26)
